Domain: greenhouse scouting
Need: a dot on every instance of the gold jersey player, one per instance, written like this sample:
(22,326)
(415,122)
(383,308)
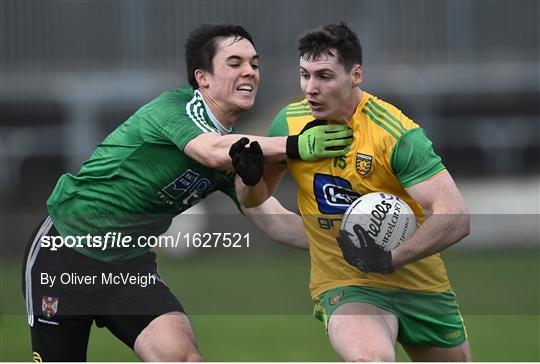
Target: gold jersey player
(404,295)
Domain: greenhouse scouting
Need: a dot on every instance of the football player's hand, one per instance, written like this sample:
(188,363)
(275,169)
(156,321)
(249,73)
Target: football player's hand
(369,257)
(248,162)
(321,141)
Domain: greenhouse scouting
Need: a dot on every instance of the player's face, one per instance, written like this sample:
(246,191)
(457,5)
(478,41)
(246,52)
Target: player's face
(235,77)
(332,92)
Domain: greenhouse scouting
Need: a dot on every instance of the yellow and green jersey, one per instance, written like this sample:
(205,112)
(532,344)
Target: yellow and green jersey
(389,153)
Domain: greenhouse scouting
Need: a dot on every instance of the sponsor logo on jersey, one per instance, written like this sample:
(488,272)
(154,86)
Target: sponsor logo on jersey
(335,299)
(364,163)
(181,184)
(334,194)
(186,190)
(49,306)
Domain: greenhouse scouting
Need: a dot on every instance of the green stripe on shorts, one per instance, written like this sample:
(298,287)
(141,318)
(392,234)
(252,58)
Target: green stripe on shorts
(424,318)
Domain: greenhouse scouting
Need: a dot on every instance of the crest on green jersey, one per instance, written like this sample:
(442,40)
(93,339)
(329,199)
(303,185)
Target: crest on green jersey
(364,163)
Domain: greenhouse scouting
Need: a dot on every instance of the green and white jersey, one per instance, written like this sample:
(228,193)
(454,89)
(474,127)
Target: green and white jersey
(139,177)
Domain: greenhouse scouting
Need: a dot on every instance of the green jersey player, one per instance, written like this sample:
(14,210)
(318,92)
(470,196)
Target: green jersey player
(172,153)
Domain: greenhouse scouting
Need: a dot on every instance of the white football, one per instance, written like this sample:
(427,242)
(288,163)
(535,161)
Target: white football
(385,217)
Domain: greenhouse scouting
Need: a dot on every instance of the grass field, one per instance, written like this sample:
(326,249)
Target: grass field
(255,306)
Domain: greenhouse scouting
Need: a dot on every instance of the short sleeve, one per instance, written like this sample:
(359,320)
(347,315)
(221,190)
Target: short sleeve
(413,159)
(279,125)
(179,128)
(178,116)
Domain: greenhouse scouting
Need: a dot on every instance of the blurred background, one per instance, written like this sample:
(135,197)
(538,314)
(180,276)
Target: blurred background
(466,71)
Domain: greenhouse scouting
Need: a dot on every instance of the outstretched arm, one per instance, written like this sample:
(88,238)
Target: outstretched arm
(323,141)
(278,223)
(212,149)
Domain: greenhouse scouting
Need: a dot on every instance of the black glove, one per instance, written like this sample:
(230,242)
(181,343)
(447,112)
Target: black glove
(369,257)
(248,162)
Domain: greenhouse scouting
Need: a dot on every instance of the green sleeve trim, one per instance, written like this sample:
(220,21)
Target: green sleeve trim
(179,129)
(181,142)
(279,125)
(173,124)
(413,159)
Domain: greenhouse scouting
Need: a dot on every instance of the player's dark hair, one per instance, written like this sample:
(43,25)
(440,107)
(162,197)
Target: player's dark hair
(329,40)
(201,46)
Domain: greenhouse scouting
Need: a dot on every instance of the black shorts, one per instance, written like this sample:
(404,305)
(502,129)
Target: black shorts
(66,291)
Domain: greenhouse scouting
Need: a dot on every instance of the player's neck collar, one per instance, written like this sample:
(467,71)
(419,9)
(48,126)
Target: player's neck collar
(219,126)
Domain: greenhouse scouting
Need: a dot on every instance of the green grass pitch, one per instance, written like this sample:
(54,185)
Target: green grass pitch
(255,306)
